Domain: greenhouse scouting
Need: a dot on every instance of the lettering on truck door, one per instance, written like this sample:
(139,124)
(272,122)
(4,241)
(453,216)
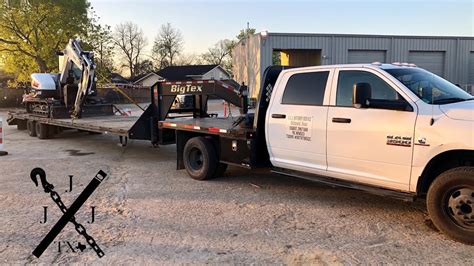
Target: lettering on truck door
(296,121)
(366,144)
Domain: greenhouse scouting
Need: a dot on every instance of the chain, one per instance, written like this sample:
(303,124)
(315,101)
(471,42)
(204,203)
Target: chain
(230,110)
(79,227)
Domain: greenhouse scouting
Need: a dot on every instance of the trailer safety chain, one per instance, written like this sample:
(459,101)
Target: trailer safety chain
(229,106)
(80,229)
(230,110)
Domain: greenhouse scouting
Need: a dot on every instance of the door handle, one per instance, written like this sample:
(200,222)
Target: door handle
(341,120)
(278,116)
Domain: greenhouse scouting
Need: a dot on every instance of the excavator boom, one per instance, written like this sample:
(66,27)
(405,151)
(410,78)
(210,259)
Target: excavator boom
(74,58)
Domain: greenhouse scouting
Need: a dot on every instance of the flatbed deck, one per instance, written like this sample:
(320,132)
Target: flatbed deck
(114,124)
(211,125)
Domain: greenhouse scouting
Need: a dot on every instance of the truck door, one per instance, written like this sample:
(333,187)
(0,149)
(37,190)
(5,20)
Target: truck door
(296,120)
(370,145)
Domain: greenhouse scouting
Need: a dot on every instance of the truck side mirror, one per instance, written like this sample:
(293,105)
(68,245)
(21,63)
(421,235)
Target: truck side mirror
(361,93)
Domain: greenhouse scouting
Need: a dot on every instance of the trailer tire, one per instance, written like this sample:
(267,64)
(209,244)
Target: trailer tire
(42,131)
(21,125)
(450,203)
(200,158)
(31,128)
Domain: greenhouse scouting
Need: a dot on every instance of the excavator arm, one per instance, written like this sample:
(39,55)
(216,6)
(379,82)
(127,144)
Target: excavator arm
(74,58)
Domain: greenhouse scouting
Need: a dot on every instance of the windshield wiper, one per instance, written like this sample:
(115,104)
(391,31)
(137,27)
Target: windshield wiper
(451,100)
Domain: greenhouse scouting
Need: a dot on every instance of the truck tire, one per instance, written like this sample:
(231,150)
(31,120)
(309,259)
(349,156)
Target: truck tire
(31,128)
(450,203)
(21,125)
(42,131)
(200,158)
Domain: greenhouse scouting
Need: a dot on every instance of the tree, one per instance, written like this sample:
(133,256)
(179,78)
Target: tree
(32,31)
(186,59)
(130,41)
(168,45)
(245,33)
(144,67)
(219,53)
(101,43)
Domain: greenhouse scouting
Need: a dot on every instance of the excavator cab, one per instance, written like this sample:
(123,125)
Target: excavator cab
(72,92)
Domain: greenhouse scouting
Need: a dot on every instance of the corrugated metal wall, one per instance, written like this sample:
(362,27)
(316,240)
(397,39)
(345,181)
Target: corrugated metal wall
(364,56)
(433,61)
(335,50)
(471,68)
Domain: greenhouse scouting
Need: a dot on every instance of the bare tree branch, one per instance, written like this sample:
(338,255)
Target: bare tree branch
(131,41)
(7,41)
(168,45)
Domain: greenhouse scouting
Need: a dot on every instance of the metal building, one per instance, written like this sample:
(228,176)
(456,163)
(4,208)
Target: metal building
(449,57)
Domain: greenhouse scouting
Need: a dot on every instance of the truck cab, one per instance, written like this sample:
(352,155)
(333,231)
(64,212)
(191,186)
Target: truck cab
(378,124)
(390,126)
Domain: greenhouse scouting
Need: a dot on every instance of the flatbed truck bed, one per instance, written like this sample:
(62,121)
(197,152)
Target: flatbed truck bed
(216,126)
(115,125)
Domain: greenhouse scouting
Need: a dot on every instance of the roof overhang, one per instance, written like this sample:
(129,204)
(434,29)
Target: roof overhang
(147,76)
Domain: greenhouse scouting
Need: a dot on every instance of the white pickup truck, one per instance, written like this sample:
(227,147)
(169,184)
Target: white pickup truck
(392,129)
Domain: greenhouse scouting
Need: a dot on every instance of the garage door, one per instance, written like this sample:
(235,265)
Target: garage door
(431,61)
(366,56)
(471,68)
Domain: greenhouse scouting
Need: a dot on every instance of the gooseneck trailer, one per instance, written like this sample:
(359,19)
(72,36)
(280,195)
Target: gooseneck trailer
(145,126)
(389,129)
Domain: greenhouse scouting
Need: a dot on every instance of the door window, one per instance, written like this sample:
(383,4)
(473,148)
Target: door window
(349,78)
(306,88)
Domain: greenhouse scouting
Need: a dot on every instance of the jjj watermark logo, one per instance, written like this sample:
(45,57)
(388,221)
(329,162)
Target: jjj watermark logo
(68,213)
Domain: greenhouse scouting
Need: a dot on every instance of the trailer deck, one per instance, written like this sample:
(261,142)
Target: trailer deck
(220,126)
(116,125)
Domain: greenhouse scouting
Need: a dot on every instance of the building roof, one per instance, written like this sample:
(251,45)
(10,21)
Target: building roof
(144,76)
(275,34)
(184,72)
(117,78)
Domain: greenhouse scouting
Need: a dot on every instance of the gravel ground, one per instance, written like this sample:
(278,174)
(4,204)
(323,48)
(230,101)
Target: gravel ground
(147,212)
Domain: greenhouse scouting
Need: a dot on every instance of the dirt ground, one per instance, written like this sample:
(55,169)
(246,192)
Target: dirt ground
(147,212)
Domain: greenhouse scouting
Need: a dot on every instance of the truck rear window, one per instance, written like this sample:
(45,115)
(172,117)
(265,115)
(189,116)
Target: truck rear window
(306,88)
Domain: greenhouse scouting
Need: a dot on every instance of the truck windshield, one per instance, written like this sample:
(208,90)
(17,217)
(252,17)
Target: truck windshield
(429,87)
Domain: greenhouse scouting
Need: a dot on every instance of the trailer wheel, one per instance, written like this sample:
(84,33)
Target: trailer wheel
(31,128)
(200,158)
(42,131)
(21,125)
(450,203)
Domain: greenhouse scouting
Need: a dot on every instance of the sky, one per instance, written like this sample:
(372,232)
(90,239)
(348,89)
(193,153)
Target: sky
(204,22)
